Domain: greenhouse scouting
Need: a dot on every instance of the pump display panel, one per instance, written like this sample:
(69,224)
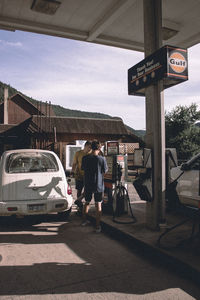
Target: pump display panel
(117,168)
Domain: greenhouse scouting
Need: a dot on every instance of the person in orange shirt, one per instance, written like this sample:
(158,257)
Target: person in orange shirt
(79,173)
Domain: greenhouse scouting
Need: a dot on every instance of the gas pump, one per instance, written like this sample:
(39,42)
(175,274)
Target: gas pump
(117,174)
(143,182)
(171,196)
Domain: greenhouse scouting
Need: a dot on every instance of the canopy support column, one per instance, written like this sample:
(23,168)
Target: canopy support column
(155,123)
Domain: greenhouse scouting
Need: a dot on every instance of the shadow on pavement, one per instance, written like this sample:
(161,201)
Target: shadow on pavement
(113,271)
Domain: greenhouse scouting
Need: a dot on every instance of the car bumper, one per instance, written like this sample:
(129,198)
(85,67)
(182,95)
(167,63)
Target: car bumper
(35,207)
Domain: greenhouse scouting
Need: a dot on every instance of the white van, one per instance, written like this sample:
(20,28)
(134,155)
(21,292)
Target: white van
(33,182)
(188,186)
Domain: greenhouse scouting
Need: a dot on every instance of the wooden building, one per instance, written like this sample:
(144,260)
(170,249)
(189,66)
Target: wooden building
(38,127)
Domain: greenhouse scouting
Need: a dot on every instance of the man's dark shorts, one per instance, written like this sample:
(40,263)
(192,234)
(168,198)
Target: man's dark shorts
(97,196)
(79,185)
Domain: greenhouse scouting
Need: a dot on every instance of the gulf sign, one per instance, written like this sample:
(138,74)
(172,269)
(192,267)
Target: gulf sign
(169,64)
(177,62)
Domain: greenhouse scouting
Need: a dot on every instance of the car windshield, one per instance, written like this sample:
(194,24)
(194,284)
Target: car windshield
(23,162)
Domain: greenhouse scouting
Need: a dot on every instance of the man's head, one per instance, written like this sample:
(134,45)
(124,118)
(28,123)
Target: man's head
(87,146)
(96,145)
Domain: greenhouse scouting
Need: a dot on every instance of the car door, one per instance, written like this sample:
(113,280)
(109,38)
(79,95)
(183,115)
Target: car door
(188,187)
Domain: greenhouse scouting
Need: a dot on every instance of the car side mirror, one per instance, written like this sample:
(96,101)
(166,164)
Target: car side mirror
(185,167)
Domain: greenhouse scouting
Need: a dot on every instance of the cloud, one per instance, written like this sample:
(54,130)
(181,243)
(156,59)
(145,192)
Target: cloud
(97,72)
(10,44)
(85,76)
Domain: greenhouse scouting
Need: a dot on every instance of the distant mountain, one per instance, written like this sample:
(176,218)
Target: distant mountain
(65,112)
(141,133)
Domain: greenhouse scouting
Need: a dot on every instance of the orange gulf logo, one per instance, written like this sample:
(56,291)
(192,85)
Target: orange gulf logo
(177,62)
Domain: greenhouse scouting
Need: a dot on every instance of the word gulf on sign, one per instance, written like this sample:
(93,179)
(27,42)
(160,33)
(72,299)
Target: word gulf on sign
(168,63)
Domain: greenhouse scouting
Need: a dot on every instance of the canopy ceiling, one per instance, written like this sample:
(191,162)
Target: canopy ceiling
(109,22)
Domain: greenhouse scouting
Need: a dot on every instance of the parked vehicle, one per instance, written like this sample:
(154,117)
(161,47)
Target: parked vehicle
(188,183)
(197,123)
(33,182)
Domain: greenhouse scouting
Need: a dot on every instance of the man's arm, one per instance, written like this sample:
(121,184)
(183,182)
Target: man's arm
(105,166)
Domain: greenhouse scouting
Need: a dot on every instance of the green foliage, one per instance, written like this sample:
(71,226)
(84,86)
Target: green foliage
(140,133)
(181,132)
(65,112)
(12,91)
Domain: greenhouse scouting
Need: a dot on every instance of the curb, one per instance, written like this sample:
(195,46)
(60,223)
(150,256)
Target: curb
(156,254)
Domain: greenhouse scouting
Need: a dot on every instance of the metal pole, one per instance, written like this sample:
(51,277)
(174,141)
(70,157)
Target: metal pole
(46,108)
(40,124)
(6,105)
(155,124)
(37,136)
(50,120)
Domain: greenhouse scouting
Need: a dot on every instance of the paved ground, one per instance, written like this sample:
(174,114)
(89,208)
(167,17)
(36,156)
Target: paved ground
(54,259)
(176,247)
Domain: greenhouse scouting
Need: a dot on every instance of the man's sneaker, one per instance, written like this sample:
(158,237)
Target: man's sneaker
(78,203)
(98,229)
(85,223)
(79,213)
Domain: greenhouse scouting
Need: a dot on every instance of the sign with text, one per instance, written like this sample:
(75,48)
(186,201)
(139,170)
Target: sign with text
(112,148)
(168,63)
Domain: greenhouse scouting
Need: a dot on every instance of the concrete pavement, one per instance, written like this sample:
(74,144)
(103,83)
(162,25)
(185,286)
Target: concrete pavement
(176,248)
(47,258)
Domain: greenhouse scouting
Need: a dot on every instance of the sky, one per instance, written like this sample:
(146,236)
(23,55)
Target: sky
(85,76)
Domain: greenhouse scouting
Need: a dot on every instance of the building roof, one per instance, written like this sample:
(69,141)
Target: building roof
(87,126)
(5,127)
(80,125)
(34,109)
(104,128)
(37,108)
(47,121)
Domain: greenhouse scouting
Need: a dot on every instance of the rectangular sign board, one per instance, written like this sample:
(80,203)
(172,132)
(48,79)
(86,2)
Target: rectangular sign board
(112,148)
(168,63)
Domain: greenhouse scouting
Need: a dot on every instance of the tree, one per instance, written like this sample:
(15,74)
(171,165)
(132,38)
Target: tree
(181,133)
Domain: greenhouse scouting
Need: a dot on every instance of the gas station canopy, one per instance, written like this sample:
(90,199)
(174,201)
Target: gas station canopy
(110,22)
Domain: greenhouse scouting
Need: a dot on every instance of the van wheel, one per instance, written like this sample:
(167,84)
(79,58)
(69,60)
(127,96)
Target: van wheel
(63,215)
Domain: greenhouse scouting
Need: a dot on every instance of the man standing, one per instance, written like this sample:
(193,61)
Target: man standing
(78,172)
(94,167)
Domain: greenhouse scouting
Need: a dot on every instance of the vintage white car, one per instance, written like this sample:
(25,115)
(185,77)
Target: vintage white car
(188,178)
(33,182)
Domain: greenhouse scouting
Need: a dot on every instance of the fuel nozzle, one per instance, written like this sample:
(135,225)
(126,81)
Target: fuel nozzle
(119,172)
